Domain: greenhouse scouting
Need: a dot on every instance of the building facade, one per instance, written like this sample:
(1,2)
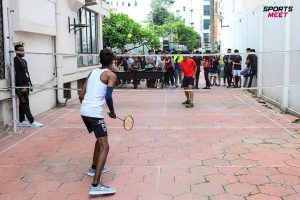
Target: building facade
(138,10)
(196,13)
(44,27)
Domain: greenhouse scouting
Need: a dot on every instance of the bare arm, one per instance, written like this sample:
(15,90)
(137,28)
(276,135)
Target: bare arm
(82,92)
(83,89)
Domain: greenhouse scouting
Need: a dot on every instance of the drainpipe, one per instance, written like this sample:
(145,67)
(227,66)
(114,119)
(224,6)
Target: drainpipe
(260,55)
(59,50)
(286,73)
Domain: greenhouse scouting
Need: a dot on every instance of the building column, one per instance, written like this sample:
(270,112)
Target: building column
(74,93)
(287,60)
(260,55)
(59,44)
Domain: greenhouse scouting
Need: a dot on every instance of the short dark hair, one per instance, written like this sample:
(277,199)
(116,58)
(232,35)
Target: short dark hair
(17,46)
(248,49)
(106,57)
(236,51)
(229,49)
(252,50)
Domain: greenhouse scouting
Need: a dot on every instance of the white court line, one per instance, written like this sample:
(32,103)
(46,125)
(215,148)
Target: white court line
(51,114)
(276,113)
(32,134)
(214,166)
(241,100)
(158,179)
(157,128)
(180,114)
(8,136)
(268,117)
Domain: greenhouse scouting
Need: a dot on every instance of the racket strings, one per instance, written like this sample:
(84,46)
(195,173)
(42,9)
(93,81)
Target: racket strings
(128,123)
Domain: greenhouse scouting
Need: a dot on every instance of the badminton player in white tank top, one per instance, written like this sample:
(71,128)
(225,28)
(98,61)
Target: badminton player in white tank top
(96,91)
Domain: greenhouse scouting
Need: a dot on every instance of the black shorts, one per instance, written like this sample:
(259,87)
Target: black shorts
(96,125)
(188,81)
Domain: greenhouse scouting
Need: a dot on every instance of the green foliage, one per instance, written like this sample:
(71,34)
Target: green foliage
(120,30)
(165,24)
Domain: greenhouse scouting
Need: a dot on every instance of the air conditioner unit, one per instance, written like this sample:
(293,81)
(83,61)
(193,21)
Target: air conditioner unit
(76,4)
(91,2)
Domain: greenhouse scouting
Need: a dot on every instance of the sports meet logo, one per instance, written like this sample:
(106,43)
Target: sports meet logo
(278,11)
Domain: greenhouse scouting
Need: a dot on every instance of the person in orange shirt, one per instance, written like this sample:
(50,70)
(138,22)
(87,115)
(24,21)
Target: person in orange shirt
(188,66)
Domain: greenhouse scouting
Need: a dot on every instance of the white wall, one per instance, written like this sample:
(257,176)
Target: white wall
(31,18)
(244,31)
(294,93)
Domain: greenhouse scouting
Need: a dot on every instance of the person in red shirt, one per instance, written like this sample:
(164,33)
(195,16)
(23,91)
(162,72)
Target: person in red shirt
(188,66)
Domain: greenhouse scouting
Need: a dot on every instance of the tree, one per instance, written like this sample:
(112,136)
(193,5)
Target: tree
(160,14)
(120,30)
(178,32)
(165,24)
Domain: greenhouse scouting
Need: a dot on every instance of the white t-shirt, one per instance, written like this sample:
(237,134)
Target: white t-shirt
(94,98)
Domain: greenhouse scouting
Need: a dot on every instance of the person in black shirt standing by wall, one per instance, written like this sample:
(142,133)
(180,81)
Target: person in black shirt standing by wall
(207,64)
(197,60)
(245,72)
(228,68)
(237,68)
(253,70)
(23,80)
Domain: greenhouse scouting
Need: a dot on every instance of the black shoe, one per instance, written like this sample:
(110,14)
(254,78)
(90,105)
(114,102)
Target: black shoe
(186,102)
(206,88)
(228,86)
(190,105)
(197,88)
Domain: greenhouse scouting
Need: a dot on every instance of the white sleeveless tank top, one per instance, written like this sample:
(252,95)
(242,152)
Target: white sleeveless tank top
(94,98)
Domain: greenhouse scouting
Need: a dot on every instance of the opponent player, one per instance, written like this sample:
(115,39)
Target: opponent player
(188,67)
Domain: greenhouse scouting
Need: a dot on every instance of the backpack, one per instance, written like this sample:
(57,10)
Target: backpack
(207,63)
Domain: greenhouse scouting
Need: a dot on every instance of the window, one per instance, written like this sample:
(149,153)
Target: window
(206,23)
(206,37)
(135,3)
(117,3)
(206,10)
(183,8)
(80,83)
(183,20)
(87,38)
(178,12)
(123,3)
(111,3)
(216,8)
(2,64)
(129,4)
(67,93)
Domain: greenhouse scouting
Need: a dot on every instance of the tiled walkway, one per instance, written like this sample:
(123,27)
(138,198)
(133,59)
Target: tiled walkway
(228,147)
